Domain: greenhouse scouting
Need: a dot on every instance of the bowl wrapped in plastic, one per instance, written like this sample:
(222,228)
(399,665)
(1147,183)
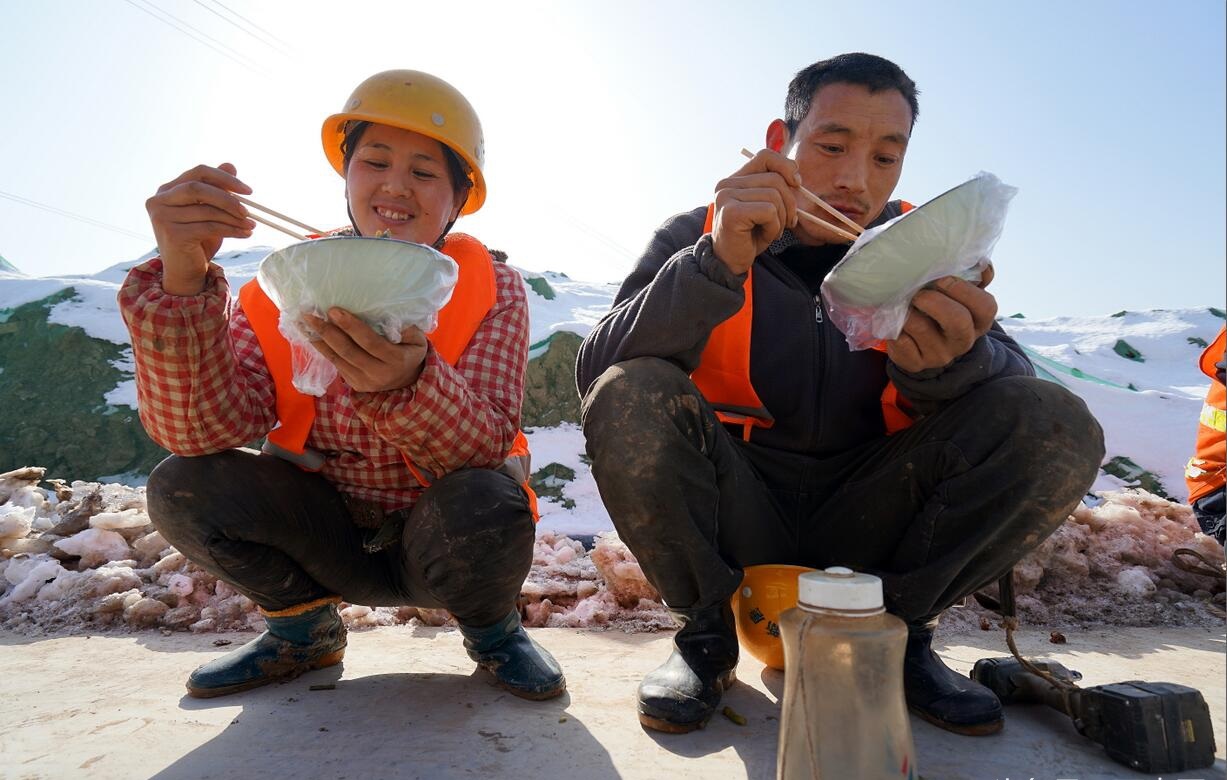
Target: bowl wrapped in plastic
(388,283)
(868,292)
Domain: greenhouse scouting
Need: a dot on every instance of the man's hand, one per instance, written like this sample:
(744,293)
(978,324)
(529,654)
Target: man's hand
(945,320)
(365,360)
(190,217)
(753,207)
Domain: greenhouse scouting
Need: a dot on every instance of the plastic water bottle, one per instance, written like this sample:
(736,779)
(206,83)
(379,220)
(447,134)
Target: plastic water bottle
(844,714)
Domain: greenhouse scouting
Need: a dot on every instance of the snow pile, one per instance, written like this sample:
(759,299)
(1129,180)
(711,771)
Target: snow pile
(570,587)
(85,556)
(1113,565)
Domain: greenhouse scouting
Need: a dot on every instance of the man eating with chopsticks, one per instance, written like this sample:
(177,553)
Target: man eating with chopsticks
(729,425)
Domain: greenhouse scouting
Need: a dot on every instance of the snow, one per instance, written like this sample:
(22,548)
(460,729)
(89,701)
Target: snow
(576,306)
(565,445)
(86,554)
(95,545)
(1156,426)
(1109,564)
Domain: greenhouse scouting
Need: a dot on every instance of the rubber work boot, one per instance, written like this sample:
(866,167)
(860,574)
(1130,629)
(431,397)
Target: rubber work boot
(944,697)
(519,664)
(681,695)
(299,639)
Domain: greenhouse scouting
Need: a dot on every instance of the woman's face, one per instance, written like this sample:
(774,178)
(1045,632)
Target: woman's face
(398,180)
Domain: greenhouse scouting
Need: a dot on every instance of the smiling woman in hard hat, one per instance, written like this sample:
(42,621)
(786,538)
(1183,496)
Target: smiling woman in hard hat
(404,484)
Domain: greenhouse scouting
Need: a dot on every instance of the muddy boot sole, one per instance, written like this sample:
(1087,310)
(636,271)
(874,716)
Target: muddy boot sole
(552,693)
(281,675)
(968,730)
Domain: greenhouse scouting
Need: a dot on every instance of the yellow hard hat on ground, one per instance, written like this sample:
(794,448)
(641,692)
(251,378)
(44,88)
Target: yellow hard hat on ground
(417,101)
(765,592)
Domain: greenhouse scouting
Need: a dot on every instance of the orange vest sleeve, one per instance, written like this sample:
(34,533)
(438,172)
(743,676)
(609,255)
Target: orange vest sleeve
(723,374)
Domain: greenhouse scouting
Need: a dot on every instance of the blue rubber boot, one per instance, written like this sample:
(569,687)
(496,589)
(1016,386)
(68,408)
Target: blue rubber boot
(519,665)
(299,639)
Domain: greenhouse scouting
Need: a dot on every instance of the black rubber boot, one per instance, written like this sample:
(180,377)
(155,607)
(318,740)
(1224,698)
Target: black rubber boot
(941,695)
(519,665)
(299,639)
(681,695)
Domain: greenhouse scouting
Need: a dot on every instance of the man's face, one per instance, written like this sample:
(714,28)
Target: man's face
(850,148)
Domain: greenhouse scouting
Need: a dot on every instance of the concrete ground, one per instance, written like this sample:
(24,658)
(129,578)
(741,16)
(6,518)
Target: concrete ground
(408,704)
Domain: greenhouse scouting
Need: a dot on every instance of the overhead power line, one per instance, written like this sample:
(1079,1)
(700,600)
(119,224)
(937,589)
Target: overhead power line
(277,47)
(584,227)
(198,36)
(264,30)
(78,217)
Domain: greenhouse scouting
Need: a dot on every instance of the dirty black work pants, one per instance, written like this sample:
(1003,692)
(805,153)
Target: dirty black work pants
(937,511)
(283,536)
(1209,511)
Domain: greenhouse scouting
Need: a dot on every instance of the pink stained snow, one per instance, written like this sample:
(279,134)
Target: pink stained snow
(1111,564)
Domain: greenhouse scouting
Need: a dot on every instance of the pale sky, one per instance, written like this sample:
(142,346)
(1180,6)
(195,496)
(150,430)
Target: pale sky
(603,119)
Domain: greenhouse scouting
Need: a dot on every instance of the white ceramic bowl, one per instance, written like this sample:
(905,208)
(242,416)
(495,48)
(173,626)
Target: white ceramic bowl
(387,282)
(892,259)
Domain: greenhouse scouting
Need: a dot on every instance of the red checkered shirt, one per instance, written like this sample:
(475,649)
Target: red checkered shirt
(203,387)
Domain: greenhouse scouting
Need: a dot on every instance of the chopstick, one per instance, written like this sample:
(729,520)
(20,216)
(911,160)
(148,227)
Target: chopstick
(817,201)
(823,223)
(278,215)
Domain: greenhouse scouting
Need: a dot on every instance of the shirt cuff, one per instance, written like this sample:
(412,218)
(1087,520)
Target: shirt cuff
(713,267)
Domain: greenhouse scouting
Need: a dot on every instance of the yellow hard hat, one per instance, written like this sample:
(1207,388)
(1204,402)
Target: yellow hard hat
(417,101)
(765,592)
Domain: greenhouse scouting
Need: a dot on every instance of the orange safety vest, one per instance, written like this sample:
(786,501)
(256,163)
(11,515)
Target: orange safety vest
(459,320)
(1207,470)
(723,374)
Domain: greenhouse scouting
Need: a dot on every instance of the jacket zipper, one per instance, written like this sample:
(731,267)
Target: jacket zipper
(818,342)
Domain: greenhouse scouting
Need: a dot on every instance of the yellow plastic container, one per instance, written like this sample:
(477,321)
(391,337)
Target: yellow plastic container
(766,591)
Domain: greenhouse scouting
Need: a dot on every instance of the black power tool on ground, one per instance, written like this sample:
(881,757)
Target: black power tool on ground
(1151,727)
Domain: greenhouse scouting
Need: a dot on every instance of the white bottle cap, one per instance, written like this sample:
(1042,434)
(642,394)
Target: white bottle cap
(839,588)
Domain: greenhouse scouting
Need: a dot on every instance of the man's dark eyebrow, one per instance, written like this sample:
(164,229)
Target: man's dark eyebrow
(828,128)
(831,127)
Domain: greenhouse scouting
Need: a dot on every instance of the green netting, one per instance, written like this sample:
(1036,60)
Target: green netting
(550,481)
(1124,468)
(541,287)
(1045,365)
(1126,350)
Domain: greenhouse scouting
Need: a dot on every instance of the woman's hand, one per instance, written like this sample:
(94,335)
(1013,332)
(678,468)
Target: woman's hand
(367,361)
(190,216)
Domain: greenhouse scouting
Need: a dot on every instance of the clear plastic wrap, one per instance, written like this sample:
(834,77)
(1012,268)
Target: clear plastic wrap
(388,283)
(868,292)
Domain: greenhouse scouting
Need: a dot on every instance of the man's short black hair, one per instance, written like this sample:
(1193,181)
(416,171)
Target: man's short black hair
(867,70)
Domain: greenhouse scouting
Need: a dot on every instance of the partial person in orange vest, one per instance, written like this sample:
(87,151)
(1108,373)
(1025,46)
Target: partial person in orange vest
(1206,472)
(729,425)
(406,482)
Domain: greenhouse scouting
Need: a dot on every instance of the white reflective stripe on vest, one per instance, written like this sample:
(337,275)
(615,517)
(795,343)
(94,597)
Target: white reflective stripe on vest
(1215,419)
(1193,469)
